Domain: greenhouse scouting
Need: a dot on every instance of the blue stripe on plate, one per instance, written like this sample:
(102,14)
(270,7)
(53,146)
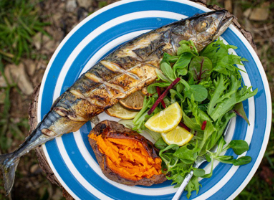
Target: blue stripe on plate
(68,48)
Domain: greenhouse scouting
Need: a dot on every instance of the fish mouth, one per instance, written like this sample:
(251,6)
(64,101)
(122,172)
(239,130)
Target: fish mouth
(224,23)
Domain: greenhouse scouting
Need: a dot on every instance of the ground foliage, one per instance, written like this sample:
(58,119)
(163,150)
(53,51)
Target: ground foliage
(33,29)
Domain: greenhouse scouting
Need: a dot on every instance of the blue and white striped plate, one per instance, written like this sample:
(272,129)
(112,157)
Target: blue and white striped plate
(71,157)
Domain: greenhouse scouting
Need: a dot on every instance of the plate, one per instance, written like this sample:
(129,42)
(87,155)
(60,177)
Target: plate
(71,157)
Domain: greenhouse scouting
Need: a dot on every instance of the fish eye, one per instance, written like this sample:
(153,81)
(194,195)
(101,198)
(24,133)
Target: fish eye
(203,25)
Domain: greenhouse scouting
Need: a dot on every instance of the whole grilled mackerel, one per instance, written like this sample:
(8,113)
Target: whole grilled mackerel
(124,71)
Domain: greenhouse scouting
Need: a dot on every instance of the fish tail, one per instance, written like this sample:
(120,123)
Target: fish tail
(8,165)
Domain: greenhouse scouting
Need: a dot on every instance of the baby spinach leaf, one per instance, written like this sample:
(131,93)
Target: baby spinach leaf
(199,92)
(200,68)
(242,160)
(238,146)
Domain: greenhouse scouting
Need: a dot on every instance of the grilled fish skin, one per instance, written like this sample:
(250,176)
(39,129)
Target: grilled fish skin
(124,71)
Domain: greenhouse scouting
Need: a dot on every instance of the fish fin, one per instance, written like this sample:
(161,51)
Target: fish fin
(8,165)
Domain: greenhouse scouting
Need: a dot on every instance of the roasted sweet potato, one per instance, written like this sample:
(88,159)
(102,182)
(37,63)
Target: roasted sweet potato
(125,156)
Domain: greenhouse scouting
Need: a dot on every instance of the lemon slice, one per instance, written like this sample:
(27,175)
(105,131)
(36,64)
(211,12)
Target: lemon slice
(119,111)
(165,120)
(133,101)
(178,135)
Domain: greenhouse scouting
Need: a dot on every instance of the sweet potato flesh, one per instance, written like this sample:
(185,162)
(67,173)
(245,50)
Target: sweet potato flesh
(127,157)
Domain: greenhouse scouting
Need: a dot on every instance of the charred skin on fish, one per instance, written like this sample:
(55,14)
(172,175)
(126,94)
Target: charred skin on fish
(128,69)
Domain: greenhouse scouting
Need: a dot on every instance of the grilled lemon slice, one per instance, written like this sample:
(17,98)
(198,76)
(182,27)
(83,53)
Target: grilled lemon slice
(119,111)
(178,135)
(165,120)
(133,101)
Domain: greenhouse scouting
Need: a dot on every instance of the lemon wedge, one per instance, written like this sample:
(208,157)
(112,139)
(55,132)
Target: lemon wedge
(165,120)
(119,111)
(178,135)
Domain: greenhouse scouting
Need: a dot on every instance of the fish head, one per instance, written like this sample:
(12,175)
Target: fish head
(204,28)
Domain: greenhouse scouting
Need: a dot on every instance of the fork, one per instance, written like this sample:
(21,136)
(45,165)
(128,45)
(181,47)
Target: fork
(200,160)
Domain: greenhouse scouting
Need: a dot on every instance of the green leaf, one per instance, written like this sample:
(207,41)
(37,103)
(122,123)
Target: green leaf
(225,159)
(187,47)
(160,144)
(242,160)
(200,68)
(167,70)
(182,62)
(199,172)
(181,72)
(238,146)
(162,77)
(191,123)
(169,58)
(192,185)
(186,155)
(152,88)
(154,135)
(199,92)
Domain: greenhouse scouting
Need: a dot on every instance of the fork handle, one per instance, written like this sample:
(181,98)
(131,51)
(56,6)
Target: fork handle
(183,185)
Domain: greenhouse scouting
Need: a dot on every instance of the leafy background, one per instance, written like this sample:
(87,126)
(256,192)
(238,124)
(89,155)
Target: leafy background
(31,30)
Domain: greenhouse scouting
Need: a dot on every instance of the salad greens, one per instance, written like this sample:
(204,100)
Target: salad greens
(210,92)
